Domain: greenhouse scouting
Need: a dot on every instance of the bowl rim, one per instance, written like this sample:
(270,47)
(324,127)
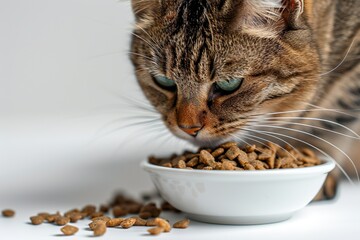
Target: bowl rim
(327,166)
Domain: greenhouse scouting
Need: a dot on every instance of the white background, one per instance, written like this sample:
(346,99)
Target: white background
(64,70)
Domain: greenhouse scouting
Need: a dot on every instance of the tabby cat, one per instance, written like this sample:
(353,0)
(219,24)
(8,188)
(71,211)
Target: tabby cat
(254,70)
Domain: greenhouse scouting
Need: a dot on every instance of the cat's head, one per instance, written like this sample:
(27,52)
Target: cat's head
(212,66)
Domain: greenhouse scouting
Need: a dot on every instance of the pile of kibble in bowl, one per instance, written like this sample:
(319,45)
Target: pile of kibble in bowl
(230,156)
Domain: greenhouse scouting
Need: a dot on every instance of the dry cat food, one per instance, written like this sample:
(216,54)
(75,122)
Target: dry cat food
(69,230)
(141,214)
(229,156)
(182,224)
(8,213)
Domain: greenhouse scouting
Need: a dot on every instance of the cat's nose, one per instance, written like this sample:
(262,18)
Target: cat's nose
(191,130)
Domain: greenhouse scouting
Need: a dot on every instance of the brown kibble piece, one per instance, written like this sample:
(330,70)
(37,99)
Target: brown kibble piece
(151,223)
(232,152)
(114,222)
(61,221)
(43,214)
(206,158)
(100,229)
(155,230)
(93,224)
(104,208)
(182,224)
(160,222)
(181,164)
(68,213)
(8,213)
(37,220)
(88,209)
(250,149)
(145,215)
(119,211)
(76,216)
(128,223)
(192,162)
(102,218)
(167,165)
(51,217)
(69,230)
(139,221)
(228,145)
(227,165)
(217,152)
(96,214)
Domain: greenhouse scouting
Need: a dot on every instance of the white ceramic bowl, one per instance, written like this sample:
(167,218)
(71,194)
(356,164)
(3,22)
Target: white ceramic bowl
(233,197)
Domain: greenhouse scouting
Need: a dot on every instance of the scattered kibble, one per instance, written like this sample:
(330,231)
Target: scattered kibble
(37,220)
(69,230)
(155,230)
(160,222)
(128,223)
(182,224)
(146,215)
(8,213)
(114,222)
(100,228)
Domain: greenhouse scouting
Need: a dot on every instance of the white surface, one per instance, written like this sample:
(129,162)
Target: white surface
(319,221)
(251,197)
(63,66)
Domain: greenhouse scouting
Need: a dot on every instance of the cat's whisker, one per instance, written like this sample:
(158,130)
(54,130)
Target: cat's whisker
(127,126)
(151,45)
(315,119)
(281,123)
(314,147)
(250,130)
(143,56)
(343,60)
(341,111)
(306,110)
(141,104)
(154,132)
(142,29)
(117,120)
(241,139)
(317,137)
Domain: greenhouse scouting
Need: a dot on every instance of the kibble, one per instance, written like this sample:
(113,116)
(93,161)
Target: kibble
(69,230)
(160,222)
(182,224)
(128,223)
(37,220)
(147,215)
(114,222)
(8,213)
(61,221)
(155,230)
(229,156)
(100,228)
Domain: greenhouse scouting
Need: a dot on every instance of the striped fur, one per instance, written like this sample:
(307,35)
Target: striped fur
(293,55)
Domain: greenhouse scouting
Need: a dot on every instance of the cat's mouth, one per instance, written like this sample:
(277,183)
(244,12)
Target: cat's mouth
(204,138)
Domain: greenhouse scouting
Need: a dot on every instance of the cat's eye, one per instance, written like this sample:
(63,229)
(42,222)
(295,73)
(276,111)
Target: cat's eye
(165,82)
(229,85)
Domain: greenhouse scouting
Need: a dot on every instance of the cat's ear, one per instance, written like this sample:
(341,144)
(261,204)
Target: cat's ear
(267,18)
(143,9)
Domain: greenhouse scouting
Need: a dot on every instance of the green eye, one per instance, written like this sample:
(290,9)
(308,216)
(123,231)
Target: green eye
(165,82)
(230,85)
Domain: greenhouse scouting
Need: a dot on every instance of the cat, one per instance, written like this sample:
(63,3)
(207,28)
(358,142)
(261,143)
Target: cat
(278,70)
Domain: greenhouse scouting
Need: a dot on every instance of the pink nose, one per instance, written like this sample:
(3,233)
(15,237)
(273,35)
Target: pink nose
(191,130)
